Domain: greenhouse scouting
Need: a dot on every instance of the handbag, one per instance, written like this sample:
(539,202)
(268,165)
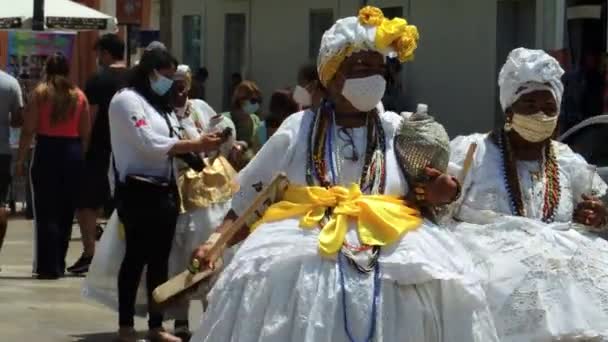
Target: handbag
(215,184)
(160,190)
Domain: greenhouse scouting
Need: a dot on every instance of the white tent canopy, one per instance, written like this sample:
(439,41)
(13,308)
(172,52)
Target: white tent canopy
(59,15)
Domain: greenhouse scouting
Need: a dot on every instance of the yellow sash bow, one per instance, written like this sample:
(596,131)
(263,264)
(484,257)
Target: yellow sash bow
(381,219)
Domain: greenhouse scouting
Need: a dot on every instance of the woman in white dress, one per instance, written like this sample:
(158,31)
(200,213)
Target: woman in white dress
(546,279)
(343,258)
(204,205)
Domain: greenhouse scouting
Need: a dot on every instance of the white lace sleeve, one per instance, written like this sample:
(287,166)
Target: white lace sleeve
(203,112)
(583,177)
(459,148)
(270,160)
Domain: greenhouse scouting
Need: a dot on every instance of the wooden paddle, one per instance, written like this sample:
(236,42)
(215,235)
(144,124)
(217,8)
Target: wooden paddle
(272,193)
(468,162)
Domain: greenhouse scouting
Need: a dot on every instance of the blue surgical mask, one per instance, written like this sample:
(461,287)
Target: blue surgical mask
(161,84)
(250,108)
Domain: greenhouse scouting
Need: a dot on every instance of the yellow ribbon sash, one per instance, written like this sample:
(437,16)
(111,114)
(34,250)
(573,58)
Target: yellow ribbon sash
(381,219)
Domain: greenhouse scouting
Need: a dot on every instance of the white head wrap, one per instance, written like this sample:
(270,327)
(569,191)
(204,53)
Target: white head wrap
(369,31)
(156,45)
(182,73)
(527,71)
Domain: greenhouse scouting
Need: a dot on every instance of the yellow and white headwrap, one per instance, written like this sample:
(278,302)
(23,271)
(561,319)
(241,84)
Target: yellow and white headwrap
(370,31)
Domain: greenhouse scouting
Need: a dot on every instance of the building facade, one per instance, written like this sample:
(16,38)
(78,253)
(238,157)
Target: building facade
(463,45)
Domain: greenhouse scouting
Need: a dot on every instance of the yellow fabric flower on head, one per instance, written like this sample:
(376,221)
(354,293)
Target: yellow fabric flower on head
(389,31)
(371,15)
(407,44)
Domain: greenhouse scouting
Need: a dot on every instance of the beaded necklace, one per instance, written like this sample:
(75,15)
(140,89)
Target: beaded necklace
(320,153)
(552,191)
(320,156)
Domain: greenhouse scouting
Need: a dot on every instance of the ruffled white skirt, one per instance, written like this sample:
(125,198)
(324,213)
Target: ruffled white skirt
(543,282)
(193,228)
(277,289)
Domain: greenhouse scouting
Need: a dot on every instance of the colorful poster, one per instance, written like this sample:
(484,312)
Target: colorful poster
(27,53)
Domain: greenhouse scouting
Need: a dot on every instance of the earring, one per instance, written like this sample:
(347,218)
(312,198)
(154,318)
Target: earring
(508,125)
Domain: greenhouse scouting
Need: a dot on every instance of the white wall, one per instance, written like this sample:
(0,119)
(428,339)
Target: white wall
(180,9)
(155,15)
(454,71)
(108,7)
(280,46)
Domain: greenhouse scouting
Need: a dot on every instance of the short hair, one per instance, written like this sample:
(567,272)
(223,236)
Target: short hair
(281,106)
(202,73)
(245,90)
(112,44)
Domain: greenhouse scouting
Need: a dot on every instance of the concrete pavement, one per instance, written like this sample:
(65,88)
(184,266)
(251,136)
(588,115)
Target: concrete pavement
(49,311)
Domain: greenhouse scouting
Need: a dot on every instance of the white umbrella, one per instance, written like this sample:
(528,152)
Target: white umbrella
(59,15)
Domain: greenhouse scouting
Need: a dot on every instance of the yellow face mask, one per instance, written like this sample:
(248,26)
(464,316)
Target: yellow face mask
(534,128)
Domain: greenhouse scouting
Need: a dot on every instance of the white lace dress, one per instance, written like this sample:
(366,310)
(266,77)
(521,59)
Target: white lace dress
(195,226)
(544,282)
(277,287)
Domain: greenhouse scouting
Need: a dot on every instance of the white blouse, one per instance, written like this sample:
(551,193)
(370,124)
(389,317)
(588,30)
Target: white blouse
(484,193)
(140,136)
(286,151)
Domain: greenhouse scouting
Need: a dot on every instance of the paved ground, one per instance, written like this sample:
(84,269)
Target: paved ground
(48,311)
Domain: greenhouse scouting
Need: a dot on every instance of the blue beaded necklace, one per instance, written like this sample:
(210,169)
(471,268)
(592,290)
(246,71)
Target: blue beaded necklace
(376,298)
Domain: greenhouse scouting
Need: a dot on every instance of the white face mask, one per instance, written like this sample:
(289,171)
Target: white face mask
(364,93)
(534,128)
(302,96)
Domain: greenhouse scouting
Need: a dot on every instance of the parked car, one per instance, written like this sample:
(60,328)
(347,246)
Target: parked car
(590,139)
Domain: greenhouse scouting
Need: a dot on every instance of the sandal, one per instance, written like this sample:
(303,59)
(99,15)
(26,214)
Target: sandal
(127,334)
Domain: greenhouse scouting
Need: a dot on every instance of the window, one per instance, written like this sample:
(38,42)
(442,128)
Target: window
(393,12)
(234,53)
(191,45)
(320,21)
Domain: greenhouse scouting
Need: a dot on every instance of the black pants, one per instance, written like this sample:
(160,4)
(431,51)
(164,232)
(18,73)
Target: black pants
(55,175)
(149,219)
(5,177)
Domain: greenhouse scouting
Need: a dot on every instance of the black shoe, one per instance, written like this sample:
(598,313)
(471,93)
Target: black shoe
(82,265)
(184,334)
(49,276)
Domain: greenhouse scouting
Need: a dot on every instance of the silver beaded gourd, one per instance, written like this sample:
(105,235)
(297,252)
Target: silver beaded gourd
(421,142)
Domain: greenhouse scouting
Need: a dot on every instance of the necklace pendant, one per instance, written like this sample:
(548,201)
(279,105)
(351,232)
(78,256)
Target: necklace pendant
(536,175)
